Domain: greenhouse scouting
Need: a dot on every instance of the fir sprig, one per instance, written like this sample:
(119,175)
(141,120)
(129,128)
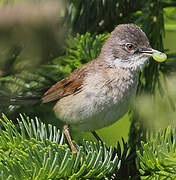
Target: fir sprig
(157,157)
(38,151)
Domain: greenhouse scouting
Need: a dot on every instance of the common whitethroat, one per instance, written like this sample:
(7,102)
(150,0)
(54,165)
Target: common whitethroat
(99,93)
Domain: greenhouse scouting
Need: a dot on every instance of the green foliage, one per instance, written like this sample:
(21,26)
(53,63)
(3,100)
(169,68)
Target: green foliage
(102,15)
(81,49)
(156,158)
(39,152)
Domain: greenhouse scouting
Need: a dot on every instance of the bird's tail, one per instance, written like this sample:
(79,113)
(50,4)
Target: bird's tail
(22,100)
(26,100)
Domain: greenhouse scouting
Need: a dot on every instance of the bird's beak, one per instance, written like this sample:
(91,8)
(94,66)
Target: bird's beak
(149,51)
(157,55)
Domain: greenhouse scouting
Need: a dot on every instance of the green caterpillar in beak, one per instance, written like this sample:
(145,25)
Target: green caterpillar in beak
(159,56)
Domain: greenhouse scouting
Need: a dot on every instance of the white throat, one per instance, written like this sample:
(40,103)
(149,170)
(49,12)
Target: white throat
(134,63)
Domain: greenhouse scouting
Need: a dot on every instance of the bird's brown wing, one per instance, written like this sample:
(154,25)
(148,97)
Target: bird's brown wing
(70,85)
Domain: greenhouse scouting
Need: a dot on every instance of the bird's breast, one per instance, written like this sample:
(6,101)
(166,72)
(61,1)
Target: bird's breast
(103,100)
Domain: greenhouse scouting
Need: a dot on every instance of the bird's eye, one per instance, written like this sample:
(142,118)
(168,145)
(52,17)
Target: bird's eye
(130,46)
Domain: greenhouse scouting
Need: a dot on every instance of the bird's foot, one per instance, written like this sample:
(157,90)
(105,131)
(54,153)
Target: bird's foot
(67,134)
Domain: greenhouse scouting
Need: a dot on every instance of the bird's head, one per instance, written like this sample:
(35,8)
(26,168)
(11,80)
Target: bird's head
(127,46)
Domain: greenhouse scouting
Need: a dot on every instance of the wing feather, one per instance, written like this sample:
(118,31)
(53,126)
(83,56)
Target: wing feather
(70,85)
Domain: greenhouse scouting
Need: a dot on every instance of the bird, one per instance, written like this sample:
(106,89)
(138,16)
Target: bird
(100,92)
